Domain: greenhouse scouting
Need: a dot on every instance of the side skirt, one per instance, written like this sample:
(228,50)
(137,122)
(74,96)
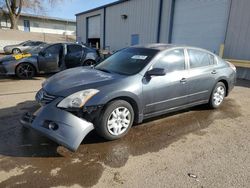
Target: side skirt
(174,109)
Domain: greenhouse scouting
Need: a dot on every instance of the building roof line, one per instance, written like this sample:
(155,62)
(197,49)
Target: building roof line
(46,17)
(101,7)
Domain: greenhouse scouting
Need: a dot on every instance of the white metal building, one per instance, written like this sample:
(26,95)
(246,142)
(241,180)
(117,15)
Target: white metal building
(41,24)
(202,23)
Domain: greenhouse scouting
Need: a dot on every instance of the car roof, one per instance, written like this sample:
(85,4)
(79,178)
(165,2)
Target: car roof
(163,46)
(156,46)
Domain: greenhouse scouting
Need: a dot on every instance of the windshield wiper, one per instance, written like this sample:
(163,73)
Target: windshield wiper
(104,70)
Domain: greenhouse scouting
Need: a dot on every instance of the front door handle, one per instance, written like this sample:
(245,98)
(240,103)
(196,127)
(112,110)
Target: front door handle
(183,80)
(214,72)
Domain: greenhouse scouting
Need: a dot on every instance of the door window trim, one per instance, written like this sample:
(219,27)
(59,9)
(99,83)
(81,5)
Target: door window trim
(155,60)
(201,50)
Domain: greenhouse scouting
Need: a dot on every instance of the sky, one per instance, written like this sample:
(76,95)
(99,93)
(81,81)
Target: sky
(68,8)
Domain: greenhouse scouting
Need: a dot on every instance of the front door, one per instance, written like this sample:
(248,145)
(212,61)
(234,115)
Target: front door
(164,93)
(49,59)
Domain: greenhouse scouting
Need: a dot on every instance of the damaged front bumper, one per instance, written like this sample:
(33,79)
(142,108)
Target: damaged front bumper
(59,125)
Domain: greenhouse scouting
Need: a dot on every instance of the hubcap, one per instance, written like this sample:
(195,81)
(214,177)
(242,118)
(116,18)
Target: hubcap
(16,51)
(119,121)
(89,63)
(25,71)
(219,95)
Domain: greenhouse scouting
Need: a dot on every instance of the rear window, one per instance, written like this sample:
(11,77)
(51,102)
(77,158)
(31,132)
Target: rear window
(199,58)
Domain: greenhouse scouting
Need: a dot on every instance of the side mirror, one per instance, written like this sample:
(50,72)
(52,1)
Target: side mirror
(157,72)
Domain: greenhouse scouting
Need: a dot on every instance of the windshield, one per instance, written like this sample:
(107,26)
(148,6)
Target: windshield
(128,61)
(22,43)
(37,49)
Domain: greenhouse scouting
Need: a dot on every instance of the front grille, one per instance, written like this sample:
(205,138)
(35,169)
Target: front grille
(43,97)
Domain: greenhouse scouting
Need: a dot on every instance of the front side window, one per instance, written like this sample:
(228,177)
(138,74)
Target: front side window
(199,58)
(128,61)
(172,61)
(27,43)
(53,50)
(39,48)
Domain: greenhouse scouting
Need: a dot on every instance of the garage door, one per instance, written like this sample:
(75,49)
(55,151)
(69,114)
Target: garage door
(94,27)
(200,23)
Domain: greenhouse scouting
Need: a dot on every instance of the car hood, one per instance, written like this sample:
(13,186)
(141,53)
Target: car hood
(72,80)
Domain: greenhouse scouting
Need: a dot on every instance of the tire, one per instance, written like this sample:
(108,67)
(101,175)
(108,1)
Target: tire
(16,51)
(25,71)
(121,124)
(89,62)
(217,96)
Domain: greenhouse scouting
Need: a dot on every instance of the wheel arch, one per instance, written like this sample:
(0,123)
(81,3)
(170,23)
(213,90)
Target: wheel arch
(14,49)
(131,101)
(36,69)
(225,82)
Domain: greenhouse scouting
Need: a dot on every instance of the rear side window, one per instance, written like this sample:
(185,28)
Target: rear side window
(38,43)
(172,61)
(74,50)
(199,58)
(28,43)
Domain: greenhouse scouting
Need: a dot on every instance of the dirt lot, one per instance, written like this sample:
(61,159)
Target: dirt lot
(212,145)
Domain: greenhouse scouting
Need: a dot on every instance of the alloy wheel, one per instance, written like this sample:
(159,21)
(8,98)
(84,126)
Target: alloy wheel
(119,121)
(219,95)
(25,71)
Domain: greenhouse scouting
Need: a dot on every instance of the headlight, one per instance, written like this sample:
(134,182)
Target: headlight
(78,99)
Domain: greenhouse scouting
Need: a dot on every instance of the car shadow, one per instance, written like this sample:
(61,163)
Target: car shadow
(18,141)
(15,78)
(243,83)
(15,140)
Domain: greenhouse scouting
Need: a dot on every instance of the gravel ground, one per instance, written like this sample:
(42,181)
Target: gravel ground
(197,147)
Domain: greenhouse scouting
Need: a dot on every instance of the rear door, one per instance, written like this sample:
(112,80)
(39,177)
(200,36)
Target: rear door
(74,55)
(202,74)
(48,60)
(163,93)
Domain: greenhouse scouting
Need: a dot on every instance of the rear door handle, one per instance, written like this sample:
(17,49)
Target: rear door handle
(214,72)
(183,80)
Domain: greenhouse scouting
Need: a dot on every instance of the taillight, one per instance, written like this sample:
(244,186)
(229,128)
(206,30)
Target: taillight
(232,66)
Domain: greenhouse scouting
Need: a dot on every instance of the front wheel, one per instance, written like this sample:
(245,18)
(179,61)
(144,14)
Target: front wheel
(116,120)
(25,71)
(218,95)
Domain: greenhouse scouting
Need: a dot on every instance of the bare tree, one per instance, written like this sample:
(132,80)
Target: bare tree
(15,7)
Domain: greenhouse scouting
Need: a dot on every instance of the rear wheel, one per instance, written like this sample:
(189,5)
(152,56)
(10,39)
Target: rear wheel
(217,95)
(25,71)
(116,120)
(16,51)
(89,62)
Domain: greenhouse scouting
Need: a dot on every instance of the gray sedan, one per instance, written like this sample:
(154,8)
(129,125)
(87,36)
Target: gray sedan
(22,47)
(48,58)
(132,85)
